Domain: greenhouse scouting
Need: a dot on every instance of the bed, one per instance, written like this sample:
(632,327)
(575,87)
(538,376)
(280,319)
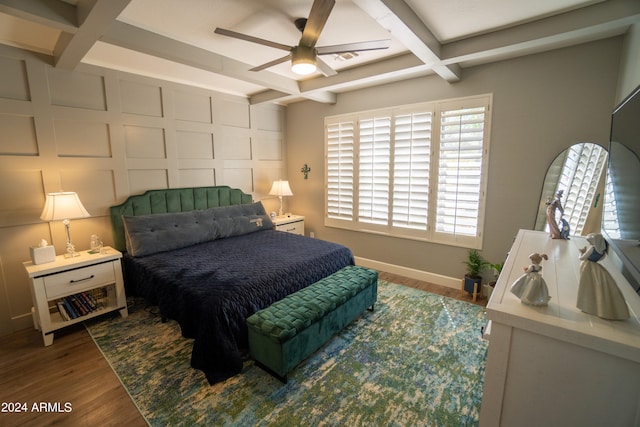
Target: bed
(209,257)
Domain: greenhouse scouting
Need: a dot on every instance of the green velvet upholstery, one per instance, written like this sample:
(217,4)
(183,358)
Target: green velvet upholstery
(287,332)
(172,200)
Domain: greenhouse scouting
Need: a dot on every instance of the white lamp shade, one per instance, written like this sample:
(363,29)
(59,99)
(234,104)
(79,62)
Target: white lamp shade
(280,188)
(61,206)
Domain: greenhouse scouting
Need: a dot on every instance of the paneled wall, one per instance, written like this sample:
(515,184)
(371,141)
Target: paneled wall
(105,135)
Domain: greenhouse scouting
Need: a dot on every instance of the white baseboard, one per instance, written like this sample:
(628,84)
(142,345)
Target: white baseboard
(21,321)
(437,279)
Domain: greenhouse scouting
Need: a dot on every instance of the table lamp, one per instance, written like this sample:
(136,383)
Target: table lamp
(64,206)
(280,188)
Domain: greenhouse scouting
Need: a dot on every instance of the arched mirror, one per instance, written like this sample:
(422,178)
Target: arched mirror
(579,172)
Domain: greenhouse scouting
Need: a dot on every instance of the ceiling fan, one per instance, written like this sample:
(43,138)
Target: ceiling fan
(304,56)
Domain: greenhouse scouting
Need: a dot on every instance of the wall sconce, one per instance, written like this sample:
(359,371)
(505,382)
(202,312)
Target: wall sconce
(64,206)
(305,170)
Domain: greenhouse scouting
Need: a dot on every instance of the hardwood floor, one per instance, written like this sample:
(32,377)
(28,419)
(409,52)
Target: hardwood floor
(430,287)
(73,372)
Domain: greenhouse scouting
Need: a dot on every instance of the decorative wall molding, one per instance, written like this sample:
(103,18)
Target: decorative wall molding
(106,134)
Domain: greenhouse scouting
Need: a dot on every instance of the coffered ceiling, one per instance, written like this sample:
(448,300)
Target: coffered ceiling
(175,40)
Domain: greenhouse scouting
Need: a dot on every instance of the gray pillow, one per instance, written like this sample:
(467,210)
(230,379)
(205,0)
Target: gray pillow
(149,234)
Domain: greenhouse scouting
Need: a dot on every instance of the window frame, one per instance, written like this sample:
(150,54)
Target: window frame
(429,234)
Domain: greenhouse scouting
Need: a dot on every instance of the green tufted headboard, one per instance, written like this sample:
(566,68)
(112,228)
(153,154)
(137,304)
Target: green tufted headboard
(172,200)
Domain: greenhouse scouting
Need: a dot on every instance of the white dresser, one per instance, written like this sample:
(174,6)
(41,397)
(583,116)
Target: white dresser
(555,365)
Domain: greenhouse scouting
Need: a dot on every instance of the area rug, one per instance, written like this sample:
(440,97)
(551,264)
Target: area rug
(417,360)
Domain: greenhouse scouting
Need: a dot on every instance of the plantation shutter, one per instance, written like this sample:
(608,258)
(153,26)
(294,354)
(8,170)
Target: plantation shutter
(340,165)
(412,152)
(374,170)
(579,179)
(461,151)
(415,171)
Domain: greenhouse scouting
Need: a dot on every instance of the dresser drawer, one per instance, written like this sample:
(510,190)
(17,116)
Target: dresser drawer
(78,280)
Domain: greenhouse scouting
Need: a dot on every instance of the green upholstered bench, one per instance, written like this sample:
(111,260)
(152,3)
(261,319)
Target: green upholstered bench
(287,332)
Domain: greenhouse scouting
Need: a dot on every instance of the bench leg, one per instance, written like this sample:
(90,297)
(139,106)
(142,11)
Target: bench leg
(372,307)
(271,372)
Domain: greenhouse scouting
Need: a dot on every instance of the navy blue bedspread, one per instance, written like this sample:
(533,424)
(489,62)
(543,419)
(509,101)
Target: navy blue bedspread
(210,289)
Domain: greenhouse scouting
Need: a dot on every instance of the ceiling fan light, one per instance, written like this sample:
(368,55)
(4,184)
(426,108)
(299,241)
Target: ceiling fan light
(303,60)
(303,68)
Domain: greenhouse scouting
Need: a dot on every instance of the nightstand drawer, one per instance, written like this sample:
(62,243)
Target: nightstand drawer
(69,282)
(292,227)
(293,224)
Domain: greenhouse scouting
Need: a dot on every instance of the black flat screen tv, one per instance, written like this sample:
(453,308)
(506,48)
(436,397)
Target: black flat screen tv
(621,218)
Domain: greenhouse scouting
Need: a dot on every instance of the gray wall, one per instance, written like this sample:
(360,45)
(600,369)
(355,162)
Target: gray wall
(106,135)
(629,77)
(541,105)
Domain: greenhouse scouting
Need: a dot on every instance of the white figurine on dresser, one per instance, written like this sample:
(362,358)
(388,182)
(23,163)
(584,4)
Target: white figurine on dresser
(531,287)
(598,293)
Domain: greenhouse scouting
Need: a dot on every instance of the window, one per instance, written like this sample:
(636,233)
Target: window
(374,168)
(411,170)
(416,171)
(340,168)
(460,171)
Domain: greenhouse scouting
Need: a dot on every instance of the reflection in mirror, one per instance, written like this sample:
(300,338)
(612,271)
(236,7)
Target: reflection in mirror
(578,172)
(620,224)
(621,204)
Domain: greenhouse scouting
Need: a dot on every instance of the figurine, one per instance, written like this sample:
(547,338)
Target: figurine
(531,287)
(554,230)
(598,293)
(564,229)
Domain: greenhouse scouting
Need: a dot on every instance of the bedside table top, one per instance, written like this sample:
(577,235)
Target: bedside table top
(61,263)
(285,219)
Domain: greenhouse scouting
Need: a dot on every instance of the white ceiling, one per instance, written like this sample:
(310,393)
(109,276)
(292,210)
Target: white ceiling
(174,40)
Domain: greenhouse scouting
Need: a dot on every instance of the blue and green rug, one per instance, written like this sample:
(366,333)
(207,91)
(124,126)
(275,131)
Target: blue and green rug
(417,360)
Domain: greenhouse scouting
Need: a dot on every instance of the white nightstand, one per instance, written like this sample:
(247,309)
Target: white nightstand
(289,223)
(91,283)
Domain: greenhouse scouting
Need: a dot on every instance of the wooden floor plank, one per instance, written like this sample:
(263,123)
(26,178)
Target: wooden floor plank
(71,371)
(74,371)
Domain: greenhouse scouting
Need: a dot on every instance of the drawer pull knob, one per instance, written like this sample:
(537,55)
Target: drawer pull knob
(72,281)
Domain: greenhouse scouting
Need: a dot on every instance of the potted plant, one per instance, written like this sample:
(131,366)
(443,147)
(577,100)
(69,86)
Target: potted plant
(472,279)
(497,269)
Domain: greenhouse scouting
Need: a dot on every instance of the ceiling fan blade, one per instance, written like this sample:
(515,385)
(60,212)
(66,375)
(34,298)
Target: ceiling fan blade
(318,16)
(354,47)
(271,63)
(325,68)
(252,39)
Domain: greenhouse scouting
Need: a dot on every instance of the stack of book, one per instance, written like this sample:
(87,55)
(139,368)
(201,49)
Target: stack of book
(77,305)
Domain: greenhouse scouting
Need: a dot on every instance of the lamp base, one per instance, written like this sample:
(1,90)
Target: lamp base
(71,251)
